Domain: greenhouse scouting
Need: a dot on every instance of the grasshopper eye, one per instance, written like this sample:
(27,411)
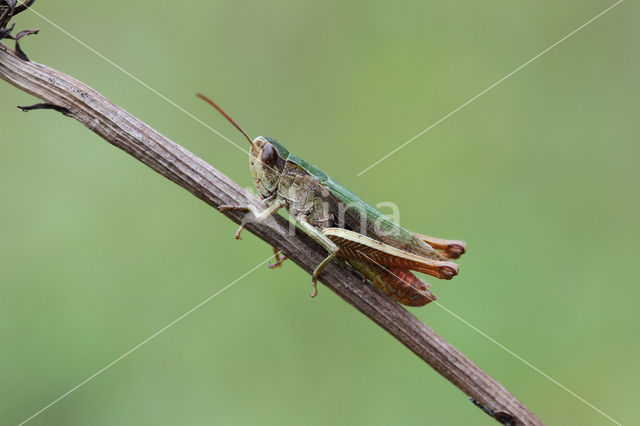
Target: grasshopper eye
(269,155)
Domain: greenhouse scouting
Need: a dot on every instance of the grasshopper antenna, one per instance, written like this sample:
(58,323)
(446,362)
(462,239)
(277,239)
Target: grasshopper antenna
(221,111)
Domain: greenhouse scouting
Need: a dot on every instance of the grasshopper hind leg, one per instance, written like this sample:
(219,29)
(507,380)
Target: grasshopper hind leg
(451,249)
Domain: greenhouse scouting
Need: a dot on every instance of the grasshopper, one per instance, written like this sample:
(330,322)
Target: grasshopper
(344,224)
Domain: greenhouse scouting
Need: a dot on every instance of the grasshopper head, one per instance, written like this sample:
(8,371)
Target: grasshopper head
(267,157)
(267,160)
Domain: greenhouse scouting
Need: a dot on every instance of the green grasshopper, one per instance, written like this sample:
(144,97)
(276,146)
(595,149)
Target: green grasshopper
(344,224)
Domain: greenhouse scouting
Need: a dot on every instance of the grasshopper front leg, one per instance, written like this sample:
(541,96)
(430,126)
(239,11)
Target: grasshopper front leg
(258,216)
(325,242)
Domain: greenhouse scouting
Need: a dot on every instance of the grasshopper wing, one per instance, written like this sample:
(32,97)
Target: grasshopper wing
(354,213)
(360,247)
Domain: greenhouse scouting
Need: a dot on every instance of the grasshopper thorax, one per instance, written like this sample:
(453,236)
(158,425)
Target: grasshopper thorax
(267,160)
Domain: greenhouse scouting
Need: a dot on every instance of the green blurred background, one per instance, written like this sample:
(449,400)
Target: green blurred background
(539,176)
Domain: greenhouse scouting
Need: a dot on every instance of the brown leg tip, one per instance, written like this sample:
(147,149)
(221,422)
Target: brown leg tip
(454,251)
(447,272)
